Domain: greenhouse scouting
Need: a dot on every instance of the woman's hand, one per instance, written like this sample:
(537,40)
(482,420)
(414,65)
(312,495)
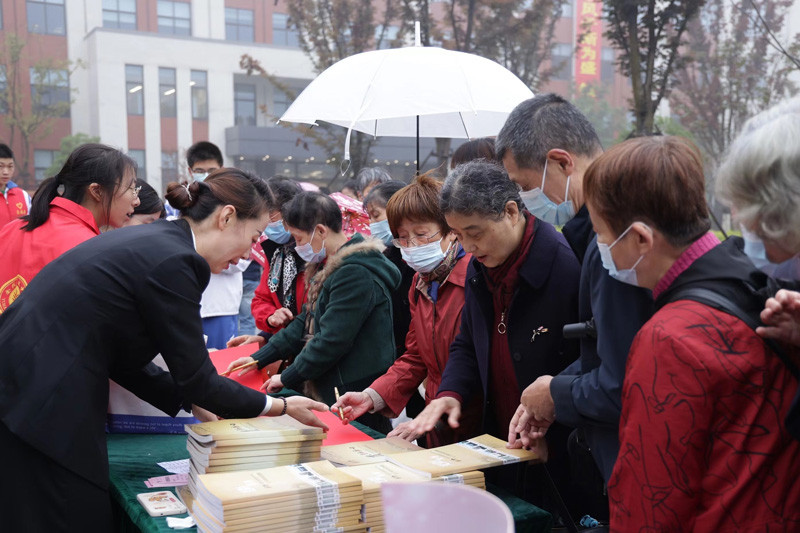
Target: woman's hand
(203,415)
(404,431)
(239,362)
(280,318)
(353,405)
(781,315)
(301,409)
(246,339)
(429,416)
(274,384)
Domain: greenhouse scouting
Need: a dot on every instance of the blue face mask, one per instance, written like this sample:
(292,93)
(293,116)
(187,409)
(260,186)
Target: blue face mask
(754,248)
(380,230)
(423,258)
(307,253)
(277,233)
(199,176)
(544,208)
(627,275)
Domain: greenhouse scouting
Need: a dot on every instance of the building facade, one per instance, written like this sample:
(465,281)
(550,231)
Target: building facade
(154,76)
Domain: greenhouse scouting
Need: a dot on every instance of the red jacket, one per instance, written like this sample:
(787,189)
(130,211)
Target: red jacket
(703,444)
(265,302)
(433,327)
(25,253)
(14,204)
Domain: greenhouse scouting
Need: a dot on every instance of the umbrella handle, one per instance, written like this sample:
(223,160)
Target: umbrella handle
(342,168)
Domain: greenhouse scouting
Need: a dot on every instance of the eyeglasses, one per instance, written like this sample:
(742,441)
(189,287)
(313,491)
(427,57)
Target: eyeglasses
(414,241)
(135,190)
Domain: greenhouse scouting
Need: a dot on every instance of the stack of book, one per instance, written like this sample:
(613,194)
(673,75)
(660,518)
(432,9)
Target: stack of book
(473,454)
(308,497)
(249,444)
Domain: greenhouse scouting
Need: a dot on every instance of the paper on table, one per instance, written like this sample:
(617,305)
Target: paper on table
(180,523)
(174,480)
(176,467)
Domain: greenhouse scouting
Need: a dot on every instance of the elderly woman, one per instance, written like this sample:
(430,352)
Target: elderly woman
(703,446)
(426,243)
(760,180)
(521,288)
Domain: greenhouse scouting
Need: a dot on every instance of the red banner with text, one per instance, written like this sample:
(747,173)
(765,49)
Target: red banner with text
(589,17)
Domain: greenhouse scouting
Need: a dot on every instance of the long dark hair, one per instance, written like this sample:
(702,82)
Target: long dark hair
(87,164)
(247,193)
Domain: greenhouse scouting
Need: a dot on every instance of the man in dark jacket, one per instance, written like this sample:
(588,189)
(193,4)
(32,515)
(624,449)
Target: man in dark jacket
(546,145)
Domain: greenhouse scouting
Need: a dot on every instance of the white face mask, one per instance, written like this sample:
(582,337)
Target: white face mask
(423,258)
(307,253)
(627,275)
(199,176)
(542,207)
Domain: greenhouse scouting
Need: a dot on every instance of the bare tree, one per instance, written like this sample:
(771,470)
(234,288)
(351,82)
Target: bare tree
(734,71)
(31,118)
(648,34)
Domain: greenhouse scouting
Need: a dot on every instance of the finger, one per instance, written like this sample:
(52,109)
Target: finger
(264,385)
(312,420)
(455,414)
(770,332)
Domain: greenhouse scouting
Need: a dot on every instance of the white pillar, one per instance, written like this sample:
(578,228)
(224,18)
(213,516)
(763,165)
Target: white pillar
(152,127)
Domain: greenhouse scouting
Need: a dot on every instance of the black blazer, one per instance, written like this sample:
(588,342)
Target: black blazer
(103,310)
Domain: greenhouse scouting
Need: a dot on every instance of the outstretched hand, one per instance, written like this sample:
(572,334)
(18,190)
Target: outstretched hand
(302,409)
(427,419)
(781,315)
(353,405)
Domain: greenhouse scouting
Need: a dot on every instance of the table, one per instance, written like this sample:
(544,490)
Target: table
(132,459)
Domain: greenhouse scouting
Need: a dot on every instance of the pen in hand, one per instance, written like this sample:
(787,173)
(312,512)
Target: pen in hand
(336,394)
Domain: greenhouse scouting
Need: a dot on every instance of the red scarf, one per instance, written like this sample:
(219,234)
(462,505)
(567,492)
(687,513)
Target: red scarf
(502,281)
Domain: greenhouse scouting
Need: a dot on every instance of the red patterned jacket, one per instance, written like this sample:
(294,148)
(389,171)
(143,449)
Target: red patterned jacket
(703,442)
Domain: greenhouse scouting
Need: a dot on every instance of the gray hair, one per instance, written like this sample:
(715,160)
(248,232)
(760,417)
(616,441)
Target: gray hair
(791,105)
(545,122)
(760,180)
(478,188)
(369,175)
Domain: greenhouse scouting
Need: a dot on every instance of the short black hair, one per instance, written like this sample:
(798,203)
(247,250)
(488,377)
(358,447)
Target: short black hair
(149,201)
(478,187)
(542,123)
(281,191)
(380,194)
(5,152)
(203,151)
(308,209)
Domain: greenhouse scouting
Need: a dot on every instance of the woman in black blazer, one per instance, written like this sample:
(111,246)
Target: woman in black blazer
(102,311)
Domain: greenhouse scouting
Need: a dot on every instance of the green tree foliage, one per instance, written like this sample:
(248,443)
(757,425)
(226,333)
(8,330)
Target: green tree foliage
(68,144)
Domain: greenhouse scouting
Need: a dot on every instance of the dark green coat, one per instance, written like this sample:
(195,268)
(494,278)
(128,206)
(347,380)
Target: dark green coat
(353,340)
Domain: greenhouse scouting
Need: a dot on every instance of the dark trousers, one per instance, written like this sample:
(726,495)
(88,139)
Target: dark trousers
(38,494)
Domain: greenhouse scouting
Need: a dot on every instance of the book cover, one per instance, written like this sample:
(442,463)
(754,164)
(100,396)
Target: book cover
(242,430)
(365,452)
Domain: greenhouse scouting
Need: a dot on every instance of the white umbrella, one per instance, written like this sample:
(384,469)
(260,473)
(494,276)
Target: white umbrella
(411,92)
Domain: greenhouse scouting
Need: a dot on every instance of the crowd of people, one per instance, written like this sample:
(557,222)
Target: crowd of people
(572,300)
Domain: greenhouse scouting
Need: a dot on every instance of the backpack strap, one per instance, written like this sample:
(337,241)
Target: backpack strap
(726,305)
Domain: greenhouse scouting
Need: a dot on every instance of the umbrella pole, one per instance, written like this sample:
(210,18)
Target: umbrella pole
(417,145)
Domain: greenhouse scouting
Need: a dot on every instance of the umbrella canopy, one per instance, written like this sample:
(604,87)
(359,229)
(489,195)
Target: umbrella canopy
(412,92)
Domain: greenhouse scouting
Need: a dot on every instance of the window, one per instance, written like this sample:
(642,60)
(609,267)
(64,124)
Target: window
(282,31)
(134,87)
(169,166)
(174,17)
(119,14)
(280,102)
(561,62)
(199,85)
(239,24)
(566,9)
(46,16)
(138,156)
(244,104)
(42,160)
(50,91)
(3,87)
(166,90)
(607,67)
